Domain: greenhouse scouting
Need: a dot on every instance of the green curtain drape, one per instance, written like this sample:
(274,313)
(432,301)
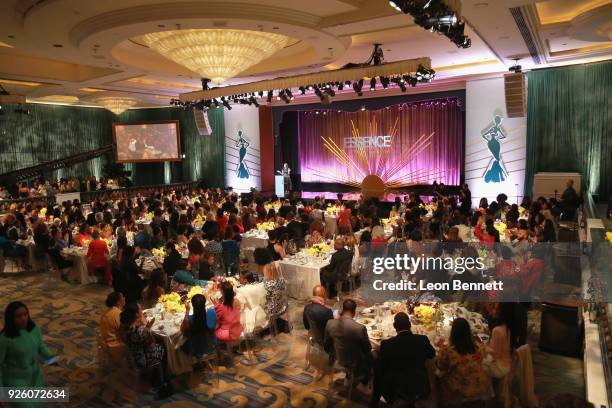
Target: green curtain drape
(568,125)
(52,132)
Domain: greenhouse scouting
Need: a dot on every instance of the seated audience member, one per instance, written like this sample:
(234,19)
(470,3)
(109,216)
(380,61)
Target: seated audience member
(97,258)
(400,373)
(317,233)
(348,343)
(173,260)
(199,329)
(276,296)
(252,297)
(145,352)
(143,239)
(295,229)
(110,324)
(84,235)
(531,271)
(155,288)
(127,279)
(460,367)
(339,266)
(227,309)
(316,314)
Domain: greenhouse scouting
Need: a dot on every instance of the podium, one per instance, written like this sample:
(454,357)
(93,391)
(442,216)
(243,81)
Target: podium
(279,185)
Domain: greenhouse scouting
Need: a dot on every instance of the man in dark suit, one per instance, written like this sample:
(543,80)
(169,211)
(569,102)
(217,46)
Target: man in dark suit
(348,343)
(339,265)
(316,314)
(400,372)
(570,201)
(295,228)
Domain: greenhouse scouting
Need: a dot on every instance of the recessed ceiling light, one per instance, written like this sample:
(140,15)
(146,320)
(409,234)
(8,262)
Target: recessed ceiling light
(76,12)
(275,28)
(481,5)
(563,43)
(330,48)
(11,36)
(161,25)
(58,45)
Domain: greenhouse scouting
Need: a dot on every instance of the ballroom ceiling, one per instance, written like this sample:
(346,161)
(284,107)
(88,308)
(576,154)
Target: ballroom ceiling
(55,50)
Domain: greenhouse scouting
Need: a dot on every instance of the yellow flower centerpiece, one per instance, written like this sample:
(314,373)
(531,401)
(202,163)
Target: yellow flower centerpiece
(172,303)
(426,314)
(274,206)
(609,236)
(521,210)
(232,281)
(108,242)
(86,242)
(43,211)
(319,249)
(159,252)
(195,290)
(501,227)
(332,210)
(266,226)
(149,216)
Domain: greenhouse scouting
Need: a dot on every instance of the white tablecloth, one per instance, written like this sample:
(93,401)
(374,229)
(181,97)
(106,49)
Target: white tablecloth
(331,224)
(169,331)
(78,272)
(301,278)
(254,239)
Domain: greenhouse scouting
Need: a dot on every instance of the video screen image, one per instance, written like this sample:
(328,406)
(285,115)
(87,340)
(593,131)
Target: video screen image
(147,142)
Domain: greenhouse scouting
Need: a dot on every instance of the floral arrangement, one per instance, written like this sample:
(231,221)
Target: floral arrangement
(500,226)
(43,211)
(609,236)
(521,210)
(319,249)
(266,226)
(269,206)
(427,314)
(86,242)
(108,242)
(195,290)
(172,302)
(159,252)
(332,210)
(149,216)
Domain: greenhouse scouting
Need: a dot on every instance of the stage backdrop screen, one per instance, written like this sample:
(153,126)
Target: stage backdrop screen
(147,142)
(405,144)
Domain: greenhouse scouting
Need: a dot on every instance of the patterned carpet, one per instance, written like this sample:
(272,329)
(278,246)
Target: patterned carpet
(68,315)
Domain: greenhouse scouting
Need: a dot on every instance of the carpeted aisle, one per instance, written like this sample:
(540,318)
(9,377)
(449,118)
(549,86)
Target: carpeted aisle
(68,316)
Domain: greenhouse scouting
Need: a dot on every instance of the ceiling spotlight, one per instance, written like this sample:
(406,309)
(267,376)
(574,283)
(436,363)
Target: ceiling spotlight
(394,5)
(253,101)
(373,84)
(270,94)
(226,104)
(427,4)
(363,108)
(216,103)
(289,94)
(261,94)
(384,81)
(302,90)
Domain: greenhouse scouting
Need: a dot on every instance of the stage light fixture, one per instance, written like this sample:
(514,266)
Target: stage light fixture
(302,90)
(340,86)
(270,94)
(254,102)
(289,93)
(373,84)
(363,108)
(216,103)
(227,105)
(261,94)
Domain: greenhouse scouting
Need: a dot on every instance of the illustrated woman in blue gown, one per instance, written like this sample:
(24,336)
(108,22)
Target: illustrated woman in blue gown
(242,171)
(495,172)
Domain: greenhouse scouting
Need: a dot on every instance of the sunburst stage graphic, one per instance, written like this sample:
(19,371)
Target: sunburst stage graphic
(385,150)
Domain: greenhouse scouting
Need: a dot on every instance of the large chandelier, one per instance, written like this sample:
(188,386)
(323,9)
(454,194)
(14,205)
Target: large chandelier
(216,54)
(116,104)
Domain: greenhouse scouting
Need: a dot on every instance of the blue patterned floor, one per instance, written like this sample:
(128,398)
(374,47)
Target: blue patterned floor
(68,316)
